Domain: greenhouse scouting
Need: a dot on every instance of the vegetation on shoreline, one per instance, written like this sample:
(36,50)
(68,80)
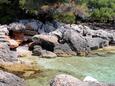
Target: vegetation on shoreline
(67,11)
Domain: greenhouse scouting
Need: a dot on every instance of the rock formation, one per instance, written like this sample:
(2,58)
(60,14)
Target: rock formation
(80,39)
(73,39)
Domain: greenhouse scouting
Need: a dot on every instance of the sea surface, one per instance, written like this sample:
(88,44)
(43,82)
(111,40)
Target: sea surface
(100,67)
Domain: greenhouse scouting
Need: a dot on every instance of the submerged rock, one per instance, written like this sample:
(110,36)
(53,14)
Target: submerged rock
(63,50)
(20,68)
(8,79)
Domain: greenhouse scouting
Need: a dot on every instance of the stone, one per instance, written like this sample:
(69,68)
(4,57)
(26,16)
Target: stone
(76,41)
(13,43)
(37,50)
(96,43)
(49,38)
(40,27)
(6,54)
(103,34)
(43,53)
(65,80)
(4,29)
(3,34)
(90,79)
(16,27)
(63,50)
(47,42)
(20,68)
(59,32)
(23,51)
(8,79)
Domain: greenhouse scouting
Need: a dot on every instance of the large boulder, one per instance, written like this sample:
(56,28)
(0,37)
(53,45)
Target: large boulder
(8,79)
(46,41)
(63,50)
(76,41)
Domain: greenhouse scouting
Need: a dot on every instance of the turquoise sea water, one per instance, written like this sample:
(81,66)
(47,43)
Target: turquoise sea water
(100,67)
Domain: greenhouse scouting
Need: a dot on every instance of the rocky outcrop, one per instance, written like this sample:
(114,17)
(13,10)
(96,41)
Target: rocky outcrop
(68,80)
(76,41)
(61,39)
(45,41)
(80,39)
(8,79)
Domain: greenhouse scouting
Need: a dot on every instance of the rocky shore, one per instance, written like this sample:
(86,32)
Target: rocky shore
(47,40)
(60,39)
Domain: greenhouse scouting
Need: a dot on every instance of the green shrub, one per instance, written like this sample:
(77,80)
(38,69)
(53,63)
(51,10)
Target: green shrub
(103,14)
(68,18)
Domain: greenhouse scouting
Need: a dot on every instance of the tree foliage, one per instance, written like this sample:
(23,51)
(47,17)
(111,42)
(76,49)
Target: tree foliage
(101,10)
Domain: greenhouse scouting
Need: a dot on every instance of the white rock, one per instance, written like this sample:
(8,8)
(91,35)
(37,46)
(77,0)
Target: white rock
(90,79)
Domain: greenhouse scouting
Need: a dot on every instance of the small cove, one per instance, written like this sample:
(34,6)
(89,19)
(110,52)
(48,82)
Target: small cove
(100,67)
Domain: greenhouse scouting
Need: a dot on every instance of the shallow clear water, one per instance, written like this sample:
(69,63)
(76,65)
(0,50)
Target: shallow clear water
(99,67)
